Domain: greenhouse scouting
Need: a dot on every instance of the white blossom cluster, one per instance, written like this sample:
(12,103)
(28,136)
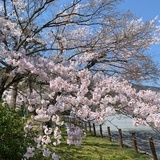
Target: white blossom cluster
(75,134)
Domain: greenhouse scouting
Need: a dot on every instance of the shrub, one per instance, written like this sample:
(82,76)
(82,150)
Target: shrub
(13,142)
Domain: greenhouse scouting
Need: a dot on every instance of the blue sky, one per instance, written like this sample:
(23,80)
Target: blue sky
(147,9)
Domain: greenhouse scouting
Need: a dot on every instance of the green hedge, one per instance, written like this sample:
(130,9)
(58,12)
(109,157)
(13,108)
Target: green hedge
(13,143)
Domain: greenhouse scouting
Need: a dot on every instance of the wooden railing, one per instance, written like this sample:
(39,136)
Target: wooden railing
(97,130)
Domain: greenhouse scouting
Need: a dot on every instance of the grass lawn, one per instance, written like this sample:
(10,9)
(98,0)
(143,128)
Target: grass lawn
(94,148)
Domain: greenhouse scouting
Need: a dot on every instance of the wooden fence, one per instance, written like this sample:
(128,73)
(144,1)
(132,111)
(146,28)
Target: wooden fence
(98,131)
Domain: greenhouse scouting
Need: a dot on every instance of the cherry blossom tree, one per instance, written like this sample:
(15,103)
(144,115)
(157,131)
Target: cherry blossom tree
(56,58)
(92,97)
(104,39)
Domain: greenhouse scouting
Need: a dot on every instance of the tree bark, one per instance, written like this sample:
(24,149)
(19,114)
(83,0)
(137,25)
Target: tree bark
(14,95)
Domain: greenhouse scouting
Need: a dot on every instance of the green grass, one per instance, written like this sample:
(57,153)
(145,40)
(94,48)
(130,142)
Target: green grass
(94,148)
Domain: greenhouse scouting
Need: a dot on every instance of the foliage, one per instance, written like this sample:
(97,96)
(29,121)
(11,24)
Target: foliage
(13,142)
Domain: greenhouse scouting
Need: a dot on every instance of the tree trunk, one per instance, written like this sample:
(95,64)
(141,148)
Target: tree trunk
(1,93)
(14,95)
(3,81)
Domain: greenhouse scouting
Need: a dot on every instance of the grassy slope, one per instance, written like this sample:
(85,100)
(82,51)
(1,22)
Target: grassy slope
(94,148)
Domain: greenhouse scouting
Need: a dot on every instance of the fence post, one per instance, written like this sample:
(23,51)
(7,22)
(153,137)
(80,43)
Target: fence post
(101,132)
(120,138)
(109,134)
(82,124)
(67,119)
(85,125)
(79,123)
(134,142)
(94,129)
(152,148)
(89,124)
(76,122)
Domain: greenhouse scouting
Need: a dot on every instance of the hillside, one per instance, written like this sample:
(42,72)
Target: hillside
(145,87)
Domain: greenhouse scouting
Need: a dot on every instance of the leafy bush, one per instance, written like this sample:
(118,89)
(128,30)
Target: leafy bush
(13,142)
